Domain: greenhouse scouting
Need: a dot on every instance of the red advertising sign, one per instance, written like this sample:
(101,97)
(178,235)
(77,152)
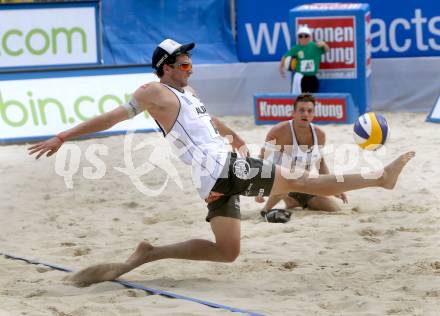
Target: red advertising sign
(339,32)
(272,109)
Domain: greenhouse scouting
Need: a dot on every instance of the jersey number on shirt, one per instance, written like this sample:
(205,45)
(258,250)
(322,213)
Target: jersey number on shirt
(307,65)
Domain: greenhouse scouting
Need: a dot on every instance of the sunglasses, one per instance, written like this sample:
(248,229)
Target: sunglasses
(303,36)
(183,66)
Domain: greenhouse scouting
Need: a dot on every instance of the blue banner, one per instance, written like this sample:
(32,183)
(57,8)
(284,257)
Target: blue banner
(409,28)
(132,29)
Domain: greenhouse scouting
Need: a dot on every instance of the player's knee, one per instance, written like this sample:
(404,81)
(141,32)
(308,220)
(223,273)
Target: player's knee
(231,256)
(336,208)
(230,253)
(332,208)
(324,204)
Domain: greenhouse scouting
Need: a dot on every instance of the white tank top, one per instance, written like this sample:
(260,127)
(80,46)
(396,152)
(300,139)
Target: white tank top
(197,142)
(302,156)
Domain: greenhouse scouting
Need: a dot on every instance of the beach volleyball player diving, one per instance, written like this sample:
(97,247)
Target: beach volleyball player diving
(219,175)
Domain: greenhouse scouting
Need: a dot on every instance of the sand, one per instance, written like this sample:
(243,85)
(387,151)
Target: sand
(378,256)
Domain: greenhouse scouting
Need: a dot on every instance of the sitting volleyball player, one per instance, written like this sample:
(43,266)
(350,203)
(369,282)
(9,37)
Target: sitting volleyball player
(296,144)
(219,175)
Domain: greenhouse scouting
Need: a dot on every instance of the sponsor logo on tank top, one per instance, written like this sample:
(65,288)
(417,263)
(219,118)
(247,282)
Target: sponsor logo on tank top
(201,110)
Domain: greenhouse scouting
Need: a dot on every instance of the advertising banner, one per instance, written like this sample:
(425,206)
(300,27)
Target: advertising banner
(344,68)
(38,108)
(133,28)
(398,29)
(36,35)
(339,32)
(330,108)
(434,114)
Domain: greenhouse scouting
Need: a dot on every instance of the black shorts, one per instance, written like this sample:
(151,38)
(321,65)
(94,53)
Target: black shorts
(309,84)
(249,177)
(302,198)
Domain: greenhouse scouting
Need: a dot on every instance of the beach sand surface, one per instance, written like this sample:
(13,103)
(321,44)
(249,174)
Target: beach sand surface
(380,255)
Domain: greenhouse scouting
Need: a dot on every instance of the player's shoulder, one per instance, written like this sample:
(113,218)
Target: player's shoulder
(151,90)
(280,126)
(277,130)
(152,93)
(153,86)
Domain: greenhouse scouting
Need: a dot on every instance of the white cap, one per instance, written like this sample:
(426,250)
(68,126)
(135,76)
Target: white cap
(169,45)
(304,30)
(168,48)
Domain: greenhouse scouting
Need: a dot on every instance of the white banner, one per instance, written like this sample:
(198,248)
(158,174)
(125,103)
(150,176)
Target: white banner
(35,108)
(41,37)
(434,116)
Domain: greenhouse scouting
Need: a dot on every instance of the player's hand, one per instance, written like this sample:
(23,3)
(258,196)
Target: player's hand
(343,197)
(282,71)
(240,146)
(259,199)
(320,44)
(48,147)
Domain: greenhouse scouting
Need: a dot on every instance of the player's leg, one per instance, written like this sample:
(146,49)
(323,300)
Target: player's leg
(290,202)
(329,185)
(272,200)
(226,248)
(310,84)
(294,199)
(323,203)
(224,216)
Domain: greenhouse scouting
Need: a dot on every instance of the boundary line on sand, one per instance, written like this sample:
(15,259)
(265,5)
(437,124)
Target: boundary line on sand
(139,287)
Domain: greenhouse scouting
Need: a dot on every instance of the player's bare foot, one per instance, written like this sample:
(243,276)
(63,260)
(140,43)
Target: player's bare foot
(393,170)
(141,255)
(98,273)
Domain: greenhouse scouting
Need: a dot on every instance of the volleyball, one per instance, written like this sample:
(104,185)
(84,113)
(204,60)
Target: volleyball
(371,131)
(290,63)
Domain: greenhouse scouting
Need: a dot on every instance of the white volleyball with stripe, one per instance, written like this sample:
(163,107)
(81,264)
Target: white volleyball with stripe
(371,131)
(290,63)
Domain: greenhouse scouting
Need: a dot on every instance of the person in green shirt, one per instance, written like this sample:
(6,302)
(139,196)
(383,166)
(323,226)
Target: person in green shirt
(303,60)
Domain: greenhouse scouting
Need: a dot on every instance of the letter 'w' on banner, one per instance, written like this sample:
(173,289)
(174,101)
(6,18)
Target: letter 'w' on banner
(434,115)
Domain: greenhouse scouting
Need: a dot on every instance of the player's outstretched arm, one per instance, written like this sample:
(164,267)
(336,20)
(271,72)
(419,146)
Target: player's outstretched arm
(96,124)
(269,149)
(323,45)
(281,67)
(237,142)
